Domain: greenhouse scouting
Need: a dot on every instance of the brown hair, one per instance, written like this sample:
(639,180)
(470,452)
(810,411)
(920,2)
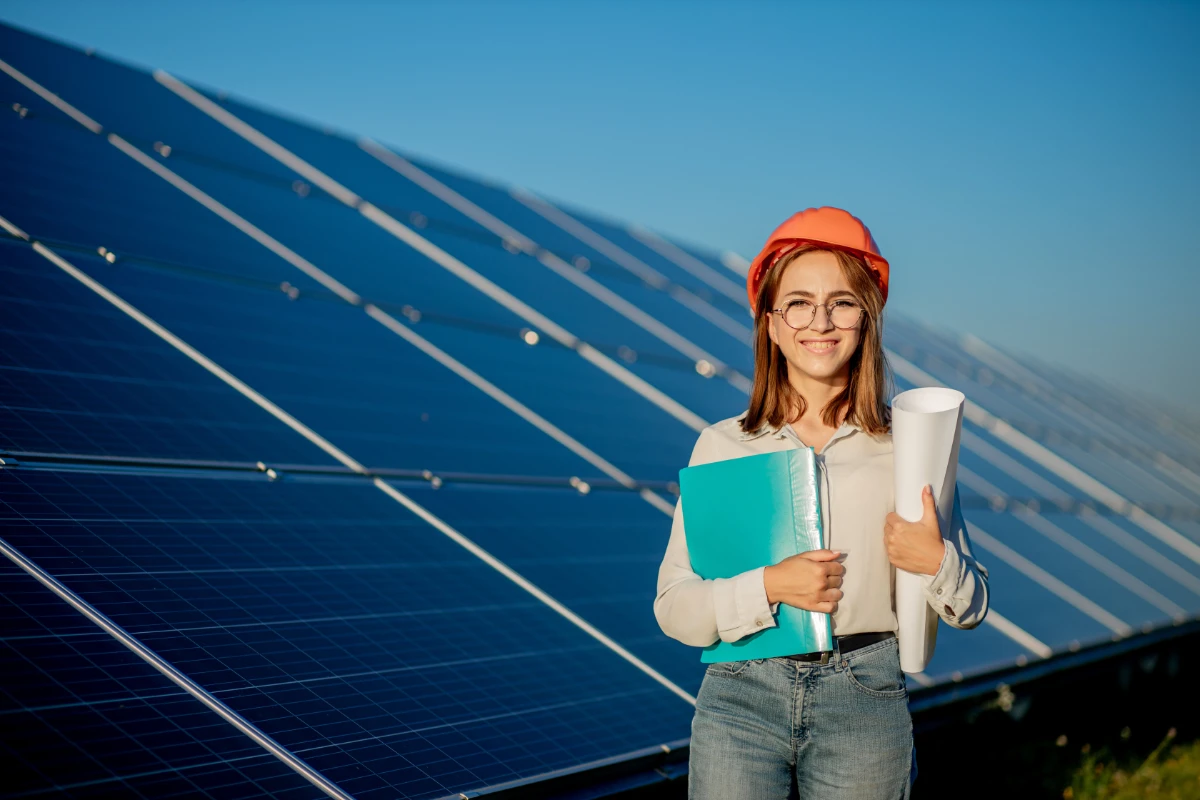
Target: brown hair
(773,399)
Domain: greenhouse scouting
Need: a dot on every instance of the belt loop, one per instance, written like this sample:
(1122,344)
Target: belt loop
(830,654)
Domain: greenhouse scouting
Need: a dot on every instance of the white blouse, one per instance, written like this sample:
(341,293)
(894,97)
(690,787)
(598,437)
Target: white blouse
(857,493)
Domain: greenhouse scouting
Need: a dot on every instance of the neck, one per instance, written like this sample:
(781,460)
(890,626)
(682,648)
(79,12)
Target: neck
(817,392)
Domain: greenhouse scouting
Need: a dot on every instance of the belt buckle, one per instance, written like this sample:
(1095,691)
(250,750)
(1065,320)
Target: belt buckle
(824,658)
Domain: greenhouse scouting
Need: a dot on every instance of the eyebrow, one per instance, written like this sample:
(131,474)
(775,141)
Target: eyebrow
(802,293)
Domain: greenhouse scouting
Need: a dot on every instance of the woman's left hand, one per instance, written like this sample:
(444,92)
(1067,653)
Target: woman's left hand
(915,547)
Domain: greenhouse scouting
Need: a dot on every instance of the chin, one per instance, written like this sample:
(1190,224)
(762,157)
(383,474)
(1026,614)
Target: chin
(819,367)
(825,371)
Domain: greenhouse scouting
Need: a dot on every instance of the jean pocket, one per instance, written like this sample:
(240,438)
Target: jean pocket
(878,673)
(728,667)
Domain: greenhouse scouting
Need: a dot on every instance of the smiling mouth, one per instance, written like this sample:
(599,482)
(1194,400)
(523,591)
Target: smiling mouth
(819,346)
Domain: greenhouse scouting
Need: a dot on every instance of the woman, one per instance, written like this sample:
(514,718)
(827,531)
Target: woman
(831,725)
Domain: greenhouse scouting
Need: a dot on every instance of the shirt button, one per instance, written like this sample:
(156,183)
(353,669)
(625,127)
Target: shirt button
(758,622)
(939,591)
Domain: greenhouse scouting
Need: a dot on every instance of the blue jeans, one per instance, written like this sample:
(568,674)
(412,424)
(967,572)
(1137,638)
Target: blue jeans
(773,728)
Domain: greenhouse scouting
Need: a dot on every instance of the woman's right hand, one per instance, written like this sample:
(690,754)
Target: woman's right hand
(810,580)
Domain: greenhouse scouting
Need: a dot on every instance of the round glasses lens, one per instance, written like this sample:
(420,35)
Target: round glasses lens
(845,314)
(798,313)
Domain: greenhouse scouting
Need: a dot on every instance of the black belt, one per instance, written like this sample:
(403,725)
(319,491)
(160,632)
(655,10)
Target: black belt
(846,644)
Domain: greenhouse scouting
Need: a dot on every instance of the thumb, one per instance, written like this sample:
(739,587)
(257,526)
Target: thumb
(820,555)
(927,501)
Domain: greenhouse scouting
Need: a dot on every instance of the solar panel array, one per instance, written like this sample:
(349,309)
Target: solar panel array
(326,470)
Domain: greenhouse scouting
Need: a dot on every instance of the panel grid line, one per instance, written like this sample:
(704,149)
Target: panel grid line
(687,261)
(172,674)
(1018,634)
(635,265)
(58,789)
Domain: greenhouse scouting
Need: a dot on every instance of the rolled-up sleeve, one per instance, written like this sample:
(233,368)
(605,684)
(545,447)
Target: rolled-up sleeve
(698,611)
(958,591)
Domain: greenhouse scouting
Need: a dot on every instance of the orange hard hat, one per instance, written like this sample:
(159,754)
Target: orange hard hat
(832,227)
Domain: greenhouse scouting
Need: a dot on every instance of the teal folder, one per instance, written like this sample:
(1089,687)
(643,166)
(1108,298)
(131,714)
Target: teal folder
(748,512)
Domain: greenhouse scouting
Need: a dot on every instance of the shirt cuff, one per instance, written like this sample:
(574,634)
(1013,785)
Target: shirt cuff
(941,586)
(741,605)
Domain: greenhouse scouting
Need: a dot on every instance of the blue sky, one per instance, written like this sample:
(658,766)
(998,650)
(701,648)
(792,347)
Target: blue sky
(1031,170)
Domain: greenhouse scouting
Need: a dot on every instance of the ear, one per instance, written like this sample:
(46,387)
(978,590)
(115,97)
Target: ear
(771,328)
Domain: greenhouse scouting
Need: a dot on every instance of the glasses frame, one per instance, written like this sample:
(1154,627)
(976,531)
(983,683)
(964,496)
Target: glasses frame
(782,312)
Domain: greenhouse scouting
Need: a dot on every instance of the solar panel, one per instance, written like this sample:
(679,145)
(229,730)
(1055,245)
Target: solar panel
(597,553)
(385,465)
(80,377)
(351,632)
(627,284)
(84,717)
(721,294)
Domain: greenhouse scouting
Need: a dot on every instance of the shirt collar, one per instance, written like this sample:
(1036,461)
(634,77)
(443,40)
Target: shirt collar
(767,429)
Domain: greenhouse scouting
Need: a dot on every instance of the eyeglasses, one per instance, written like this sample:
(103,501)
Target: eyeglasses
(799,314)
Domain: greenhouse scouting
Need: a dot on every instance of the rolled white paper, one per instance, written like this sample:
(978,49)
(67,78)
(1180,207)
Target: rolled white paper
(926,426)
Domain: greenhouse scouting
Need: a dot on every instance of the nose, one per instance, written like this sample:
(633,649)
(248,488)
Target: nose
(822,321)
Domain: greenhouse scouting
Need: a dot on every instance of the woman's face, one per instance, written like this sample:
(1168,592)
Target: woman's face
(820,351)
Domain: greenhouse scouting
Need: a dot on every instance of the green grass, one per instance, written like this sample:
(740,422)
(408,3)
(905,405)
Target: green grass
(1170,772)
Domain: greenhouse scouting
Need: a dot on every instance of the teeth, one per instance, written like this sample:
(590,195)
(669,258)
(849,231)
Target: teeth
(820,345)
